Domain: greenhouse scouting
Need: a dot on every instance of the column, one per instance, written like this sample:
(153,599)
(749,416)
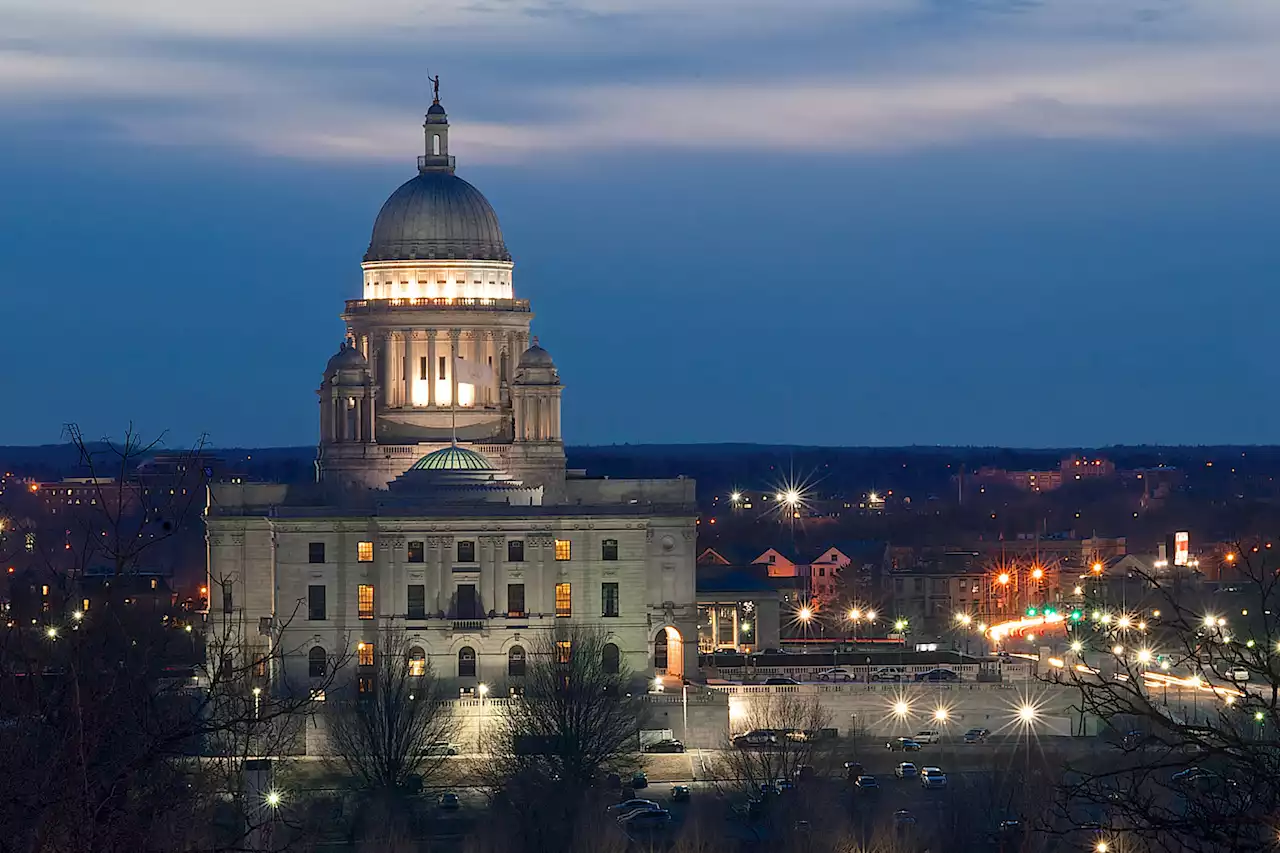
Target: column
(436,544)
(388,372)
(409,367)
(431,367)
(454,335)
(477,354)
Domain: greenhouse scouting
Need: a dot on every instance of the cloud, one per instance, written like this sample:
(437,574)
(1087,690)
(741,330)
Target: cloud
(602,75)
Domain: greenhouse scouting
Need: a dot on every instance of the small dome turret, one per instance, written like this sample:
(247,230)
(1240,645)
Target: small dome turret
(346,358)
(536,356)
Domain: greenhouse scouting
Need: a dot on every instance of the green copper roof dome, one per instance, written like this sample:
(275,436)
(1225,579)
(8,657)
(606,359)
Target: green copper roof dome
(452,458)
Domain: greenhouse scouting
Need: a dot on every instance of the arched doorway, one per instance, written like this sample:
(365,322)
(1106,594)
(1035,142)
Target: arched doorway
(668,653)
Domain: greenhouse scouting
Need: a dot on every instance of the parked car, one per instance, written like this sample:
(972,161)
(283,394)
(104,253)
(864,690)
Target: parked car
(867,783)
(835,674)
(933,777)
(903,818)
(906,770)
(639,780)
(804,771)
(768,789)
(756,737)
(889,673)
(443,747)
(938,675)
(623,817)
(852,770)
(782,783)
(927,736)
(631,805)
(977,735)
(751,808)
(779,680)
(903,744)
(665,745)
(680,793)
(449,801)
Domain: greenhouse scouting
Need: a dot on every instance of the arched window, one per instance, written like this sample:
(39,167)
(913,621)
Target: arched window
(515,662)
(611,659)
(317,662)
(435,144)
(417,661)
(466,662)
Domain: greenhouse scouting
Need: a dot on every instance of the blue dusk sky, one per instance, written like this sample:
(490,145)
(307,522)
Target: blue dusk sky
(849,222)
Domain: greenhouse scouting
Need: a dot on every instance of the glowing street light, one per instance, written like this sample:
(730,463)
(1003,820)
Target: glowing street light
(871,616)
(273,799)
(791,498)
(901,708)
(51,632)
(1037,573)
(1027,713)
(1078,591)
(900,625)
(1144,656)
(77,615)
(805,614)
(965,619)
(940,715)
(1210,621)
(1123,622)
(736,497)
(1102,847)
(1106,618)
(855,614)
(1117,649)
(1097,568)
(1077,646)
(483,690)
(1003,578)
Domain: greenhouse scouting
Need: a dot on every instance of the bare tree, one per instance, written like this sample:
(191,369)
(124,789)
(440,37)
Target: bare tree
(789,732)
(383,731)
(1188,700)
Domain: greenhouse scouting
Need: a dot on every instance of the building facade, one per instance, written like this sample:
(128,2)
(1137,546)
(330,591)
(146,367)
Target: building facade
(442,508)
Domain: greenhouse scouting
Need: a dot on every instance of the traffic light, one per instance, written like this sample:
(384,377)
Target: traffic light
(1031,611)
(1049,612)
(1076,615)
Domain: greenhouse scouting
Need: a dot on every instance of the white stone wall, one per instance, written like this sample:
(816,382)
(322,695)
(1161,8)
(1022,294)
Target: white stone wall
(269,561)
(446,279)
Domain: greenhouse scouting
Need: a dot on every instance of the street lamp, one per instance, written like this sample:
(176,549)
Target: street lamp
(1144,656)
(871,616)
(1102,847)
(900,625)
(51,632)
(273,799)
(1077,646)
(482,690)
(901,708)
(257,701)
(1027,714)
(1210,620)
(940,715)
(77,615)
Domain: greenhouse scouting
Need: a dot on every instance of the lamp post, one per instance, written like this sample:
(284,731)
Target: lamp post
(482,690)
(257,701)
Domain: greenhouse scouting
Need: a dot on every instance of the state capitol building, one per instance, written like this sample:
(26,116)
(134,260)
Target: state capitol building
(442,505)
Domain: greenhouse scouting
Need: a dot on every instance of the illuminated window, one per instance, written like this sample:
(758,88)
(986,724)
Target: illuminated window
(364,685)
(564,548)
(366,601)
(564,600)
(364,653)
(153,583)
(84,604)
(564,650)
(44,590)
(422,367)
(609,549)
(417,661)
(364,552)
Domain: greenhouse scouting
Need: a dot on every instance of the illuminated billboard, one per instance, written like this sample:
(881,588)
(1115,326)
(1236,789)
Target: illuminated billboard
(1181,548)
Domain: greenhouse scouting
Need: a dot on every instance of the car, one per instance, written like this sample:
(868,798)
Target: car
(867,783)
(852,770)
(623,817)
(631,805)
(903,818)
(802,826)
(933,777)
(449,801)
(680,793)
(768,789)
(835,674)
(903,744)
(443,747)
(889,673)
(648,819)
(639,780)
(784,784)
(938,675)
(780,680)
(927,736)
(804,771)
(906,770)
(755,737)
(665,745)
(751,808)
(977,735)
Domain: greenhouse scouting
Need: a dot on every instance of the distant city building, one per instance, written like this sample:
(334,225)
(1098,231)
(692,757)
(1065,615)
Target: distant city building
(1069,470)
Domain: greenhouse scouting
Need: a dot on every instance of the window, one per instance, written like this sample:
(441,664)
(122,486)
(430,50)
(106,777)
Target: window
(440,374)
(364,552)
(417,601)
(608,599)
(153,583)
(466,662)
(417,552)
(515,662)
(611,659)
(317,662)
(422,367)
(315,552)
(226,597)
(260,663)
(515,551)
(365,599)
(609,549)
(772,559)
(564,650)
(564,600)
(822,571)
(364,654)
(467,551)
(417,662)
(564,548)
(364,685)
(315,603)
(515,599)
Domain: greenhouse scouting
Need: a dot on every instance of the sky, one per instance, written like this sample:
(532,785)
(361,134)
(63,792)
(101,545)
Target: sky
(827,222)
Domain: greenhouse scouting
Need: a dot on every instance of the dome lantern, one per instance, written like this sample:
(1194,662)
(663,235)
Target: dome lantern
(436,133)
